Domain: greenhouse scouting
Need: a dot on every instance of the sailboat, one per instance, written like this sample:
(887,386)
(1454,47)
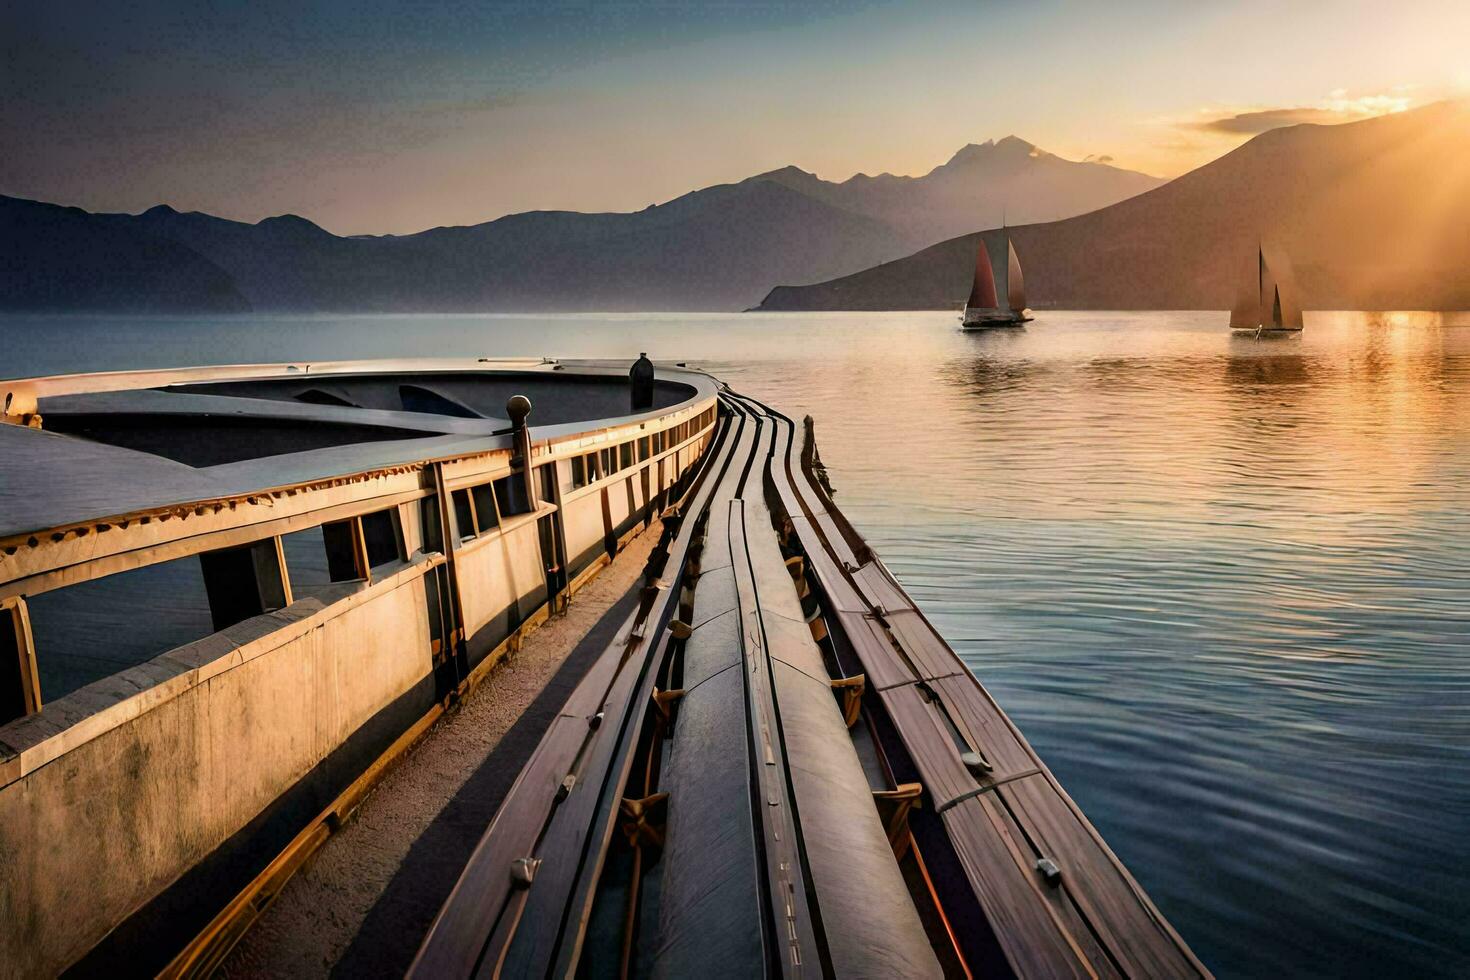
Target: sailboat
(983,309)
(1267,301)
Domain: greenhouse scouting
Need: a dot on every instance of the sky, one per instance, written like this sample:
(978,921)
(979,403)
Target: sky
(371,117)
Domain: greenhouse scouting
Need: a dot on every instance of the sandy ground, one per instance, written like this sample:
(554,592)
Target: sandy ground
(391,866)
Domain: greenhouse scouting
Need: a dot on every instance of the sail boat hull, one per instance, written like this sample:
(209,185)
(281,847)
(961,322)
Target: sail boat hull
(1265,329)
(988,319)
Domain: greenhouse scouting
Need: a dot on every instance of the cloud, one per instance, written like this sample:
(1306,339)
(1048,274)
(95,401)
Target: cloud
(1338,107)
(1251,123)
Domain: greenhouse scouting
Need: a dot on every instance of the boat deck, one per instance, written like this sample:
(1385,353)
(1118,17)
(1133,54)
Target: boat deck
(780,766)
(114,445)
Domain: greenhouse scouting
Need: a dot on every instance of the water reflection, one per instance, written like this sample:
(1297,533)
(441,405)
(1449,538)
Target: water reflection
(1222,583)
(1220,580)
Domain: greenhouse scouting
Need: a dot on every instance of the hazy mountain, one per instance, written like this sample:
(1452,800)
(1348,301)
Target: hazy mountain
(1374,214)
(980,186)
(55,258)
(717,248)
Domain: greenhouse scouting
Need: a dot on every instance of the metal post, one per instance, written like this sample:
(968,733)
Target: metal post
(518,408)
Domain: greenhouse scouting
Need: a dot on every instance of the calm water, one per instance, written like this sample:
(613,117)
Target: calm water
(1222,584)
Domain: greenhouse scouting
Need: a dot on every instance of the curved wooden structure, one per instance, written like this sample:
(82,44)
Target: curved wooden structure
(780,768)
(229,595)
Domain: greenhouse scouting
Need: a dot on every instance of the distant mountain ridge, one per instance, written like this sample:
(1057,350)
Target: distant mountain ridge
(718,248)
(982,184)
(1374,215)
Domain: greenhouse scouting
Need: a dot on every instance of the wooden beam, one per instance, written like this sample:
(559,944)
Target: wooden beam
(14,615)
(285,574)
(58,577)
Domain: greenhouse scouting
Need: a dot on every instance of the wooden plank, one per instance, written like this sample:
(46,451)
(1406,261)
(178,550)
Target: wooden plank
(568,946)
(981,719)
(1063,909)
(533,822)
(15,617)
(1045,931)
(458,935)
(575,841)
(931,657)
(1008,889)
(1124,919)
(929,743)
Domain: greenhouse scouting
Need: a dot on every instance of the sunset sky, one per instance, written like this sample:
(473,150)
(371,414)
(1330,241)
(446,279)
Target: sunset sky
(371,116)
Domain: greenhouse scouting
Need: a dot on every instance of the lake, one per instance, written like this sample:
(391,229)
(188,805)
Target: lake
(1222,583)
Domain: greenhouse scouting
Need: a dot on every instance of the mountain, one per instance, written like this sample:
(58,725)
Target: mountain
(721,247)
(715,248)
(54,258)
(981,185)
(1374,215)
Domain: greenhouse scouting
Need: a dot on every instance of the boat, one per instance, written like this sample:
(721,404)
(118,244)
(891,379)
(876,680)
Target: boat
(780,767)
(232,597)
(1267,302)
(983,309)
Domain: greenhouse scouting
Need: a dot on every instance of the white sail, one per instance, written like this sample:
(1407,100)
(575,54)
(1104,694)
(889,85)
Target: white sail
(1015,284)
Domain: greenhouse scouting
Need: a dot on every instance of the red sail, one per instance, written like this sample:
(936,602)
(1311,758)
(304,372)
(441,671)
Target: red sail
(982,294)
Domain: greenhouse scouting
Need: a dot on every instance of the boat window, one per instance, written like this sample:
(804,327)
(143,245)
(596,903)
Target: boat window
(242,582)
(510,491)
(93,629)
(584,470)
(433,599)
(607,460)
(485,516)
(430,532)
(547,487)
(344,547)
(306,562)
(643,445)
(318,557)
(12,696)
(625,455)
(658,441)
(464,517)
(382,538)
(18,693)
